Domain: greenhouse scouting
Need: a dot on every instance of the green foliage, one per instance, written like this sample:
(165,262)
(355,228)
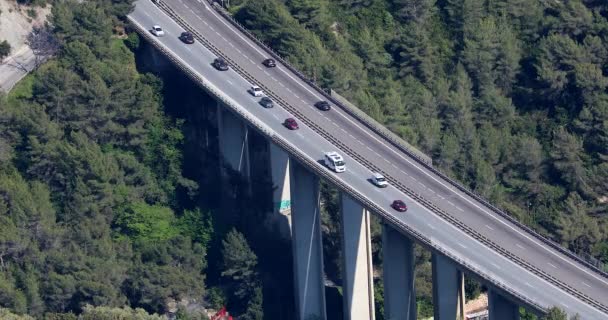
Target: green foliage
(5,49)
(143,222)
(126,313)
(239,264)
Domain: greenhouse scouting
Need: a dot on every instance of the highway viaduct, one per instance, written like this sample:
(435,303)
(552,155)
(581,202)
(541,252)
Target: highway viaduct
(463,231)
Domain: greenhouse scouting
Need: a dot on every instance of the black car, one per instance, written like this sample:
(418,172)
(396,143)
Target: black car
(322,105)
(270,63)
(187,37)
(266,102)
(220,64)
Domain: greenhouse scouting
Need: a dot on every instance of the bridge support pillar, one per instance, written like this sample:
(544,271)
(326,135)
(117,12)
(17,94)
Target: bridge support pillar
(500,308)
(448,289)
(307,244)
(358,287)
(398,272)
(281,193)
(233,142)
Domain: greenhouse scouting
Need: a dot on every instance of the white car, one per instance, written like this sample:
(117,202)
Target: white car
(256,91)
(379,180)
(334,161)
(158,31)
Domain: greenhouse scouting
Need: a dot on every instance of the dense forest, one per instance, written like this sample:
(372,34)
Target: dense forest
(508,96)
(105,213)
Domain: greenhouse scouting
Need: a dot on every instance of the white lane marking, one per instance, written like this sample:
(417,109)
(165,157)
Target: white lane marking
(462,245)
(586,284)
(230,43)
(298,97)
(459,208)
(185,5)
(259,67)
(281,84)
(487,226)
(413,164)
(565,305)
(148,15)
(205,22)
(440,197)
(199,18)
(431,190)
(551,264)
(239,51)
(266,73)
(210,27)
(496,266)
(246,57)
(430,226)
(229,82)
(289,89)
(273,78)
(520,246)
(529,285)
(450,203)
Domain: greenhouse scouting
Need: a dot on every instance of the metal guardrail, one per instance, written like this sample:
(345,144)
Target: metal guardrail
(266,131)
(396,141)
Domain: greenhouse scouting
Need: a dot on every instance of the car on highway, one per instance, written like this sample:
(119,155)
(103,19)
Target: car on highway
(269,63)
(220,64)
(334,161)
(256,91)
(157,31)
(379,180)
(266,102)
(322,105)
(187,37)
(291,124)
(399,205)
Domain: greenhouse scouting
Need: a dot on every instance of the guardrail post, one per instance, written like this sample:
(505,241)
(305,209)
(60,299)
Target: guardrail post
(233,141)
(500,308)
(281,193)
(358,286)
(307,244)
(398,272)
(448,289)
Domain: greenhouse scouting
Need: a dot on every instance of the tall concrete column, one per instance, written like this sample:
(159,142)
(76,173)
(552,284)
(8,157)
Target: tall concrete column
(358,285)
(398,272)
(233,141)
(281,193)
(448,289)
(500,308)
(307,245)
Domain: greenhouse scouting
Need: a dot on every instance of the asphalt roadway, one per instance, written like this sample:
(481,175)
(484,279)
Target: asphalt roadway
(282,83)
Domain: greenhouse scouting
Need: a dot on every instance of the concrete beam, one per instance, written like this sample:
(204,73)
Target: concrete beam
(448,289)
(281,193)
(358,285)
(500,308)
(398,272)
(233,141)
(307,244)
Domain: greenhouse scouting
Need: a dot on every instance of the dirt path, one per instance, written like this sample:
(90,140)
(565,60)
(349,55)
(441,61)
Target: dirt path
(16,21)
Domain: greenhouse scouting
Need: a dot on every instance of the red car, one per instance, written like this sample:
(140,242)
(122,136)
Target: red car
(399,206)
(291,124)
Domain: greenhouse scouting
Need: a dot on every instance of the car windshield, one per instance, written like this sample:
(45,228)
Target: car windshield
(380,179)
(339,163)
(256,89)
(157,28)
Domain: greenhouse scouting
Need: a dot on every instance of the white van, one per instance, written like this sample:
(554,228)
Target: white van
(334,161)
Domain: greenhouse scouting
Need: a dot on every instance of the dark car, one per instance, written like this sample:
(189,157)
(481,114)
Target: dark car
(270,63)
(187,37)
(322,105)
(399,205)
(220,64)
(266,102)
(291,124)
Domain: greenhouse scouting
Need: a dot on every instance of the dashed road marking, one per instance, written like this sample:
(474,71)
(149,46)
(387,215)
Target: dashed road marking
(496,266)
(586,284)
(462,245)
(519,246)
(450,202)
(266,73)
(430,226)
(487,226)
(459,208)
(229,82)
(554,266)
(529,285)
